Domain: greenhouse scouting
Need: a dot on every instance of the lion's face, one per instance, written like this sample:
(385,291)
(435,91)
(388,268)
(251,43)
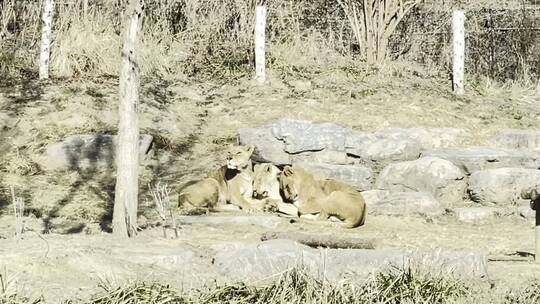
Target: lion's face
(288,184)
(265,181)
(238,157)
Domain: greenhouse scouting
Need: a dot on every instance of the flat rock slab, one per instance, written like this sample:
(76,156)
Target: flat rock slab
(476,214)
(526,212)
(268,148)
(439,177)
(266,221)
(402,203)
(262,260)
(502,186)
(357,176)
(517,139)
(382,148)
(88,151)
(481,158)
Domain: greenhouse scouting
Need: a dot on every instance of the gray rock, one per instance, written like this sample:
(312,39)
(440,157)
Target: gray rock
(526,212)
(357,176)
(439,177)
(269,148)
(402,203)
(502,186)
(256,261)
(322,157)
(517,139)
(301,136)
(88,151)
(430,138)
(381,148)
(480,158)
(475,214)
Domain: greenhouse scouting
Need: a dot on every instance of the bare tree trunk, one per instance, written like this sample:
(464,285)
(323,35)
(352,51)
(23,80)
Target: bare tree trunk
(458,37)
(260,29)
(46,33)
(127,152)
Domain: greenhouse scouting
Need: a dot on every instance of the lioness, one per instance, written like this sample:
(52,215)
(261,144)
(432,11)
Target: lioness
(232,183)
(266,188)
(328,198)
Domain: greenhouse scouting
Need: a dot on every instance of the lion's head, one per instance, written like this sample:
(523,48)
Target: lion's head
(265,181)
(238,157)
(289,183)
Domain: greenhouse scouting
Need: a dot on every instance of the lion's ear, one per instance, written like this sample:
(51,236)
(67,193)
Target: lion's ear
(250,148)
(288,171)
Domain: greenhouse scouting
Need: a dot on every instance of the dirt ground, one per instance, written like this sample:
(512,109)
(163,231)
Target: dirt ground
(197,122)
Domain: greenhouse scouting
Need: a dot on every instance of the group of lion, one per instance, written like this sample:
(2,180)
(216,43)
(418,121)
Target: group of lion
(293,191)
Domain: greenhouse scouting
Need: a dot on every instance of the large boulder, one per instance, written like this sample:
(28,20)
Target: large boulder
(480,158)
(502,186)
(88,152)
(430,138)
(439,177)
(517,139)
(269,148)
(357,176)
(402,203)
(381,149)
(257,261)
(302,136)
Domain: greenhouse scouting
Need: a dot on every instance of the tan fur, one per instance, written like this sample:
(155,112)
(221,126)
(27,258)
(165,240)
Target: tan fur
(266,189)
(232,183)
(328,197)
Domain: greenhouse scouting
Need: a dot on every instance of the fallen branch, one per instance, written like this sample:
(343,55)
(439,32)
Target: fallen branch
(329,241)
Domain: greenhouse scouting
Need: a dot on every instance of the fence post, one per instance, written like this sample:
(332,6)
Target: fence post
(458,37)
(260,28)
(46,32)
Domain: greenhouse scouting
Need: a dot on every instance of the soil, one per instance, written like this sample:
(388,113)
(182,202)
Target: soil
(196,122)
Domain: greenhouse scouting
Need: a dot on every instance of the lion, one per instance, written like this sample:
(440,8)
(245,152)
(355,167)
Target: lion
(327,197)
(232,183)
(266,188)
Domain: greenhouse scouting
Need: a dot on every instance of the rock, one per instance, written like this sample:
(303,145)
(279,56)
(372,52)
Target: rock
(357,176)
(401,203)
(439,177)
(302,136)
(381,148)
(257,261)
(502,186)
(88,151)
(475,214)
(480,158)
(517,139)
(322,157)
(430,138)
(526,212)
(269,148)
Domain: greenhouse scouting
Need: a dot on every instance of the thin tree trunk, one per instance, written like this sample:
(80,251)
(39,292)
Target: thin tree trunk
(46,33)
(127,154)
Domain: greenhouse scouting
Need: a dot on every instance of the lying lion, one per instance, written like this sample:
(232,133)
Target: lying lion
(266,188)
(232,184)
(327,198)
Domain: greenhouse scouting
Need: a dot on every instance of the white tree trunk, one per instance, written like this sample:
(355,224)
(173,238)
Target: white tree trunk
(46,33)
(260,28)
(127,152)
(458,30)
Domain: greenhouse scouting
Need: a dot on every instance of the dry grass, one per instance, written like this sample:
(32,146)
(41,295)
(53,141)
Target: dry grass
(396,286)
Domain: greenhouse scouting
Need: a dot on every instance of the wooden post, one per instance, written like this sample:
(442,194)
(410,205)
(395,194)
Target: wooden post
(537,232)
(46,33)
(260,28)
(458,30)
(127,152)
